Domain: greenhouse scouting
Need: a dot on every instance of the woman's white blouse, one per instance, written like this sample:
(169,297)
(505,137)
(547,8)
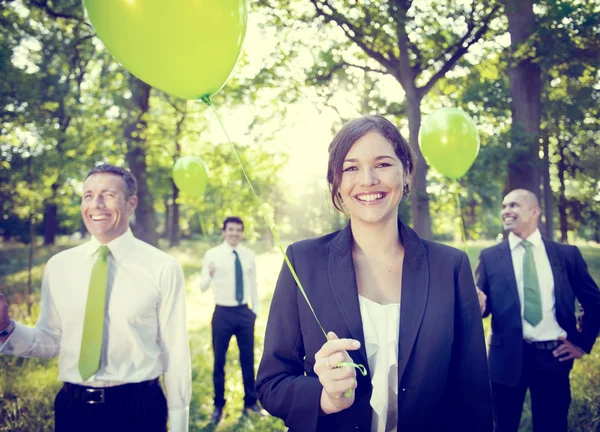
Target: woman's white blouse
(381,325)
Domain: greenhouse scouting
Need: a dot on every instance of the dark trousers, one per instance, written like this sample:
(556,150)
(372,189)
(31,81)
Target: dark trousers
(125,408)
(227,322)
(549,387)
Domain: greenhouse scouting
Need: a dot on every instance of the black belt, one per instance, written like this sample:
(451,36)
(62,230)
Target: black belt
(242,305)
(96,395)
(543,345)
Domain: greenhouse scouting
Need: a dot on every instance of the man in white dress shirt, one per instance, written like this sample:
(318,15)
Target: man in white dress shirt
(231,271)
(113,310)
(529,285)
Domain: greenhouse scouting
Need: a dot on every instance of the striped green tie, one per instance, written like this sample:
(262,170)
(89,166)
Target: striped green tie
(93,325)
(531,287)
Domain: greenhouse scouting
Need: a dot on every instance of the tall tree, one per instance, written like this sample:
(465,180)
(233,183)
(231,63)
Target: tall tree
(569,55)
(526,87)
(172,227)
(65,95)
(416,43)
(52,49)
(135,136)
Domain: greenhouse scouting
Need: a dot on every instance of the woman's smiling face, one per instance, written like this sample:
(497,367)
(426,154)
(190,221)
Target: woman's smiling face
(373,180)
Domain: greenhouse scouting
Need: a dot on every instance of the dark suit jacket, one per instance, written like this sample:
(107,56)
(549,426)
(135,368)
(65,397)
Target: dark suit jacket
(496,278)
(442,371)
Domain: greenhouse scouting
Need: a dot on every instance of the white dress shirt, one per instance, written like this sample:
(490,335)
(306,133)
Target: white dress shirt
(548,328)
(145,329)
(381,326)
(223,280)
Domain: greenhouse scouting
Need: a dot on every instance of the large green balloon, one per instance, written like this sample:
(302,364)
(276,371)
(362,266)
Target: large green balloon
(449,141)
(190,175)
(186,48)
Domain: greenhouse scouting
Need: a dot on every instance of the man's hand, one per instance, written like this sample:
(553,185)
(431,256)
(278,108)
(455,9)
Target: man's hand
(482,299)
(211,269)
(567,350)
(4,318)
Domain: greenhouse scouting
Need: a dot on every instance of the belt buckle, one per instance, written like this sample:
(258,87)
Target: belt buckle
(89,391)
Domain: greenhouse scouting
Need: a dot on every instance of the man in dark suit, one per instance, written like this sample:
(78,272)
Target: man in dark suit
(529,285)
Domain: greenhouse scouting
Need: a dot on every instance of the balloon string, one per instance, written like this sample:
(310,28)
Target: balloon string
(361,369)
(206,100)
(462,223)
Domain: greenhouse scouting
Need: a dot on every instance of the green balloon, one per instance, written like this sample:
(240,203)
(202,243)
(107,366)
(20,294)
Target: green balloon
(190,175)
(449,141)
(186,48)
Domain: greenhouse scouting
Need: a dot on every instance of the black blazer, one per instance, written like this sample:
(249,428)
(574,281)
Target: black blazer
(442,369)
(496,278)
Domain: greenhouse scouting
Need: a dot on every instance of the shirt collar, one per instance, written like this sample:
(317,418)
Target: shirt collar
(535,238)
(228,247)
(118,247)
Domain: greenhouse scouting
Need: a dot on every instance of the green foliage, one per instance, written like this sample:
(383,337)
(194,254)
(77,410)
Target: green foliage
(571,57)
(46,111)
(64,106)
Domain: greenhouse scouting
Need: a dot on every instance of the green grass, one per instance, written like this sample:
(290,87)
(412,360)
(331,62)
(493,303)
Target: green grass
(28,386)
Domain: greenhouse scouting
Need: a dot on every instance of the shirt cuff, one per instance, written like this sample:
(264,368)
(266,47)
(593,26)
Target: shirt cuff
(179,419)
(19,341)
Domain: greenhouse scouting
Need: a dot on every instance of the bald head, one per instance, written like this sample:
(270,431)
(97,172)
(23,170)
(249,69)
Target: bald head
(528,197)
(520,212)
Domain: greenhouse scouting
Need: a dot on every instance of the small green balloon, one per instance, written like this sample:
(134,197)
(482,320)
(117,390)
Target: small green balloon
(190,175)
(186,48)
(449,141)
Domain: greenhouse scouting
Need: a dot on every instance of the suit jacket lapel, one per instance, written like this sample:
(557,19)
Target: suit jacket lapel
(557,267)
(505,267)
(415,290)
(342,280)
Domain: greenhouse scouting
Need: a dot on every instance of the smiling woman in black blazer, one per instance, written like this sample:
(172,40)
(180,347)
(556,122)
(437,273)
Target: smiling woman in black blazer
(404,307)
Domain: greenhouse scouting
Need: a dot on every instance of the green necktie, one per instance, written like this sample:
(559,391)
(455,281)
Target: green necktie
(239,279)
(93,325)
(531,287)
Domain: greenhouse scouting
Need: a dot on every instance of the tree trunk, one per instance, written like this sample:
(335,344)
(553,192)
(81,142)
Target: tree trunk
(51,212)
(30,264)
(548,202)
(526,87)
(50,222)
(406,76)
(83,232)
(167,222)
(135,136)
(472,220)
(421,219)
(562,199)
(174,219)
(31,247)
(174,228)
(405,63)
